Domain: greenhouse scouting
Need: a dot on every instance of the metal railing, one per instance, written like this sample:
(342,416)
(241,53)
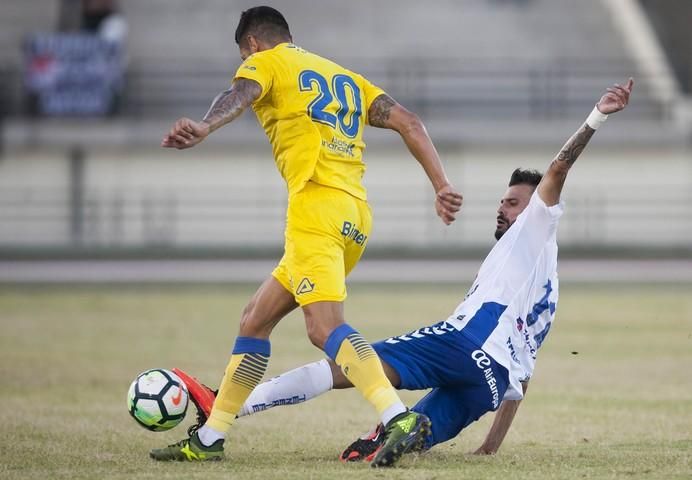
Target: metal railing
(484,88)
(499,88)
(246,218)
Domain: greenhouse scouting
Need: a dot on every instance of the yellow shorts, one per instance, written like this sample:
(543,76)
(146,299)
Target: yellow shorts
(326,233)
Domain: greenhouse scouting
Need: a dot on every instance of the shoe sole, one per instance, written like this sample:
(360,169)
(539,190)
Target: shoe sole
(359,457)
(369,458)
(182,459)
(389,458)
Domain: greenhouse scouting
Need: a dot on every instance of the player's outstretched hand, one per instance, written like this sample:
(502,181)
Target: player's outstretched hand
(483,451)
(616,99)
(447,203)
(185,133)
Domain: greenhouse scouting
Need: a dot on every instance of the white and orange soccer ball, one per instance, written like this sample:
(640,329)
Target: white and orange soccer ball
(157,399)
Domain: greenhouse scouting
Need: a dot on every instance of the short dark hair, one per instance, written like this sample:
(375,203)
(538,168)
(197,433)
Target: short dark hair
(263,22)
(525,177)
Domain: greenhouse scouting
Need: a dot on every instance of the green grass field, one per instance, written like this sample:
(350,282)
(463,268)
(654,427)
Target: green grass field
(611,396)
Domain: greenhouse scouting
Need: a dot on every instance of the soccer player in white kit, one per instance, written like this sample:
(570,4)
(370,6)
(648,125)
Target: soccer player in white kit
(482,356)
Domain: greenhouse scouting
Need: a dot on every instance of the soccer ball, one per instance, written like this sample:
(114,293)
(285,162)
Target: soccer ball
(157,399)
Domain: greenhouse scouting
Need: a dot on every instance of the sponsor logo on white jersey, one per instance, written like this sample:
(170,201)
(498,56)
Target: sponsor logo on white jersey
(484,363)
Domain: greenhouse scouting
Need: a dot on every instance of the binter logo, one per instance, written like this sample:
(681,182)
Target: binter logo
(176,400)
(350,230)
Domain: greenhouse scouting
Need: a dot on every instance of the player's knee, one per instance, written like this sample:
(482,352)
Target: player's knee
(317,333)
(250,326)
(339,380)
(321,318)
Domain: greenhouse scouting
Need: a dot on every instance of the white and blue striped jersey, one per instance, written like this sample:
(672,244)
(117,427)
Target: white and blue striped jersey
(511,304)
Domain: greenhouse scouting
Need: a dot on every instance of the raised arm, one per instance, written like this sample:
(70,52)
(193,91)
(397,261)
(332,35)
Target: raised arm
(503,420)
(550,188)
(384,112)
(226,107)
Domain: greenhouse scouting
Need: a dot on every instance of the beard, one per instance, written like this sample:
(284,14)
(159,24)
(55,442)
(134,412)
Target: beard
(502,227)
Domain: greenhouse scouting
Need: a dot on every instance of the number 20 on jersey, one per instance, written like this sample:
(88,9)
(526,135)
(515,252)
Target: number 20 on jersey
(347,95)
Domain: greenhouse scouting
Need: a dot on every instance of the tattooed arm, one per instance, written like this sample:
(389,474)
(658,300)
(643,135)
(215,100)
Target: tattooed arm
(384,112)
(226,107)
(550,188)
(554,178)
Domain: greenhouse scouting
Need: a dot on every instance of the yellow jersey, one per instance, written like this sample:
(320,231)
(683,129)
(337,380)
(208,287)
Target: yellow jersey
(314,112)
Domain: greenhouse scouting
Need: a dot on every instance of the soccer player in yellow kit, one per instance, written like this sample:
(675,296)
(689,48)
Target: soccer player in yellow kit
(313,112)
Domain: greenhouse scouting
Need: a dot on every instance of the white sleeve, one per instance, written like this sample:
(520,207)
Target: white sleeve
(537,223)
(539,214)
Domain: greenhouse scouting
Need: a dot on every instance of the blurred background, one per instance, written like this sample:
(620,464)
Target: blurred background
(88,88)
(117,255)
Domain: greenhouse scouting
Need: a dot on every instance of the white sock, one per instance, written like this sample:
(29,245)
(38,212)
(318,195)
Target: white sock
(392,412)
(208,435)
(290,388)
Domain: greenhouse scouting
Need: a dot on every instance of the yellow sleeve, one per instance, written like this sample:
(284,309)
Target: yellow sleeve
(370,93)
(257,68)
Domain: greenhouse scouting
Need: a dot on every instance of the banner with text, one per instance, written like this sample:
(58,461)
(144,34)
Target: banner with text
(73,74)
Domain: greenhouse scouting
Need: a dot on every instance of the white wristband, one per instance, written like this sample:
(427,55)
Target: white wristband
(596,118)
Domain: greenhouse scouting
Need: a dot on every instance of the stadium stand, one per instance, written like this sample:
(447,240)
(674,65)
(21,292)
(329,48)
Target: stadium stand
(672,20)
(474,56)
(477,57)
(499,84)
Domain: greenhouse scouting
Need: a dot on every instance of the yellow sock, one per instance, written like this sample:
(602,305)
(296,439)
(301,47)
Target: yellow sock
(362,367)
(245,370)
